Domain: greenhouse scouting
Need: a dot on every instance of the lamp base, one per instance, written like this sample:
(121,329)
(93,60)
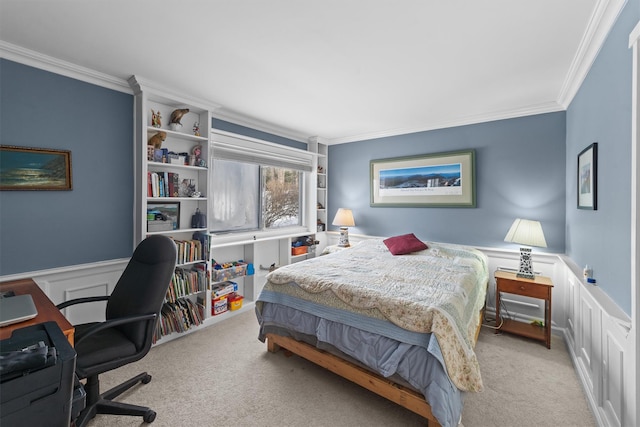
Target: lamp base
(526,264)
(344,238)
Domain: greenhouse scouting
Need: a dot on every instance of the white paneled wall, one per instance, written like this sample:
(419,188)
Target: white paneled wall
(600,341)
(87,280)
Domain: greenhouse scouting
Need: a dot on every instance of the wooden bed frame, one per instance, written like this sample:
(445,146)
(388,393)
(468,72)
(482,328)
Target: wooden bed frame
(403,396)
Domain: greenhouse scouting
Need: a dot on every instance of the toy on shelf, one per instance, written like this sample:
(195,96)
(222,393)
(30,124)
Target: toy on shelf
(157,139)
(156,119)
(176,116)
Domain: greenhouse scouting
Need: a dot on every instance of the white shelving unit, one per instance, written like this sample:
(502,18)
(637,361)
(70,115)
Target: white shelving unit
(261,249)
(181,142)
(321,191)
(169,184)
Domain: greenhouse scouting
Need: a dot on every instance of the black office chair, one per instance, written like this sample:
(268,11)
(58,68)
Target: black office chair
(127,334)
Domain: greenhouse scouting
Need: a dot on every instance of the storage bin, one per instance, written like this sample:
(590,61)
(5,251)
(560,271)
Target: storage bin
(219,305)
(235,301)
(229,273)
(225,288)
(300,250)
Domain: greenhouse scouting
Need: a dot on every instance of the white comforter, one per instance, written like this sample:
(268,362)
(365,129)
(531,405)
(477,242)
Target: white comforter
(438,290)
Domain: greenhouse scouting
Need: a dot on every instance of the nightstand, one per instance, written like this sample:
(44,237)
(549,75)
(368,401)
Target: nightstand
(540,287)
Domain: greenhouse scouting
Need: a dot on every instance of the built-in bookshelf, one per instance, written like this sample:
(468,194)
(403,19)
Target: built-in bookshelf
(321,189)
(172,174)
(171,179)
(171,162)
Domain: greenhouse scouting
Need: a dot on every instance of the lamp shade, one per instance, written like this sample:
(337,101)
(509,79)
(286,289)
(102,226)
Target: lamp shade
(344,218)
(526,232)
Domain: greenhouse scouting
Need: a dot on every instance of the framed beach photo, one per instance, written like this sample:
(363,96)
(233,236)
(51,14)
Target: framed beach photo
(25,168)
(429,180)
(588,178)
(163,216)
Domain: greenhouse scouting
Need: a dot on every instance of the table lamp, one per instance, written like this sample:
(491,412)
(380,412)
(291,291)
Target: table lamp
(529,233)
(344,219)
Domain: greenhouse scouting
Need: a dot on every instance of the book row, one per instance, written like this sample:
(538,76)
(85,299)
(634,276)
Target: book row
(178,316)
(188,281)
(193,250)
(165,184)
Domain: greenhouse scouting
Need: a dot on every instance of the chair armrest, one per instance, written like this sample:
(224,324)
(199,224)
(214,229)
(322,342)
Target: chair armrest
(81,301)
(107,324)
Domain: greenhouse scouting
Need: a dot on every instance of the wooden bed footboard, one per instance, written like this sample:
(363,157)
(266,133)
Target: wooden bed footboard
(403,396)
(384,387)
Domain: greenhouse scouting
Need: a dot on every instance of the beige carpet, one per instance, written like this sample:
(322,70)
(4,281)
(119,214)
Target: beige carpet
(223,376)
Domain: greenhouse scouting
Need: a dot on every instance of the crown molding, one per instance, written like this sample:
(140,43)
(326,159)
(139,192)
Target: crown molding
(139,84)
(37,60)
(550,107)
(602,20)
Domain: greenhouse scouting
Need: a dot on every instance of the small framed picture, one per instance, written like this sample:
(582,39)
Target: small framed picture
(26,168)
(588,178)
(163,216)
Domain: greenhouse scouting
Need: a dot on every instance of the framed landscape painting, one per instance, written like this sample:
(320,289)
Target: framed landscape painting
(24,168)
(429,180)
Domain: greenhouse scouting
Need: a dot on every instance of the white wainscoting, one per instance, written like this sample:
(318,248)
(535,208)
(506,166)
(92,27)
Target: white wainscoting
(599,338)
(597,333)
(63,284)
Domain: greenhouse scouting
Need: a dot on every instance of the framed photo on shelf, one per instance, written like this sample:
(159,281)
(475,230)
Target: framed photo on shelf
(588,178)
(26,168)
(163,216)
(429,180)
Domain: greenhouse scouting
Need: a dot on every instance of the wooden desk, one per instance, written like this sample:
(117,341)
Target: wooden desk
(47,311)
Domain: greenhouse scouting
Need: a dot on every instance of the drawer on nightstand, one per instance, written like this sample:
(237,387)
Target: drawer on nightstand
(523,288)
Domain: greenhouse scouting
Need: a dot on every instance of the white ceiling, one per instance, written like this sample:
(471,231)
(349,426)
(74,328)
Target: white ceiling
(342,70)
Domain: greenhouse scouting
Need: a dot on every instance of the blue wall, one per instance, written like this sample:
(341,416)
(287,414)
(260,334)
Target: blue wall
(94,221)
(520,173)
(601,112)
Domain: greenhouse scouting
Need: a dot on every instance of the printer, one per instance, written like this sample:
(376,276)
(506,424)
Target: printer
(37,377)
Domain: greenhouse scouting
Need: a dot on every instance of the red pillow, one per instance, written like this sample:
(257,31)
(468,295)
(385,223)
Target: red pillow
(405,244)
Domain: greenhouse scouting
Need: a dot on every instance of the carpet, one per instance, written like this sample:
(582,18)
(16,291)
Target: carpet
(223,376)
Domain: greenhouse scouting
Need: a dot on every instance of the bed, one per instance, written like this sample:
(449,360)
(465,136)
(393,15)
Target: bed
(403,326)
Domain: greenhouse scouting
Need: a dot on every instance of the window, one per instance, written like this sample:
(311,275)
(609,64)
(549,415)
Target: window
(234,196)
(255,185)
(247,196)
(281,197)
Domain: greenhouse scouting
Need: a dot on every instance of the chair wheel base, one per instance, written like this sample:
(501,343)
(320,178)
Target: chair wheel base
(149,417)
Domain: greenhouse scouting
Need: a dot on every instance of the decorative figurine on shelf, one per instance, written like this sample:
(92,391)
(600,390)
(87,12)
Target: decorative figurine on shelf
(196,152)
(320,169)
(187,188)
(196,128)
(176,116)
(156,119)
(156,140)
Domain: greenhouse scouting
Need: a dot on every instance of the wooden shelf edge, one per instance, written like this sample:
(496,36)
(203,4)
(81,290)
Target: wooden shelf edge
(524,329)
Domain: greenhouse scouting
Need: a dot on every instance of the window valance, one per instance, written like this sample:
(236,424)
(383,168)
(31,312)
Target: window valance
(227,146)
